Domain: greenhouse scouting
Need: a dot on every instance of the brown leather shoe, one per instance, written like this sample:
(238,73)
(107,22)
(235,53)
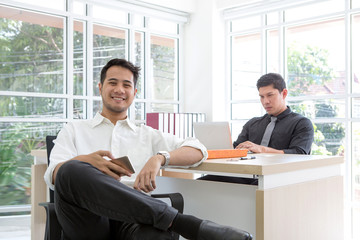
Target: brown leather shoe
(213,231)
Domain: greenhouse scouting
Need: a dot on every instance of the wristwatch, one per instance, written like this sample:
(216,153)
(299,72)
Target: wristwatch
(166,155)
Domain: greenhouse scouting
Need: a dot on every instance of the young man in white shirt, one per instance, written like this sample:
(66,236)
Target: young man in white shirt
(92,200)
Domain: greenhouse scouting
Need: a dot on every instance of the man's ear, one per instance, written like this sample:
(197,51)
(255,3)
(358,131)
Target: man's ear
(99,85)
(135,91)
(284,92)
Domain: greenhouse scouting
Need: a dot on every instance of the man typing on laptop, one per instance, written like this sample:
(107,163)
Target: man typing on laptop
(280,130)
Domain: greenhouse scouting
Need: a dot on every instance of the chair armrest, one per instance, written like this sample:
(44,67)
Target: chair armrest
(53,228)
(176,199)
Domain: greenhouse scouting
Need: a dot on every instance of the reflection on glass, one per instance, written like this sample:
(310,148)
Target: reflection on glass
(162,25)
(32,107)
(31,52)
(111,14)
(164,107)
(164,65)
(17,141)
(139,61)
(246,110)
(79,59)
(316,66)
(139,111)
(356,56)
(314,10)
(245,23)
(246,66)
(273,61)
(320,108)
(79,111)
(108,43)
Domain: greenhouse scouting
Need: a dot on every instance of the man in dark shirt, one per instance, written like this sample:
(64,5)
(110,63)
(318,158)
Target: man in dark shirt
(292,134)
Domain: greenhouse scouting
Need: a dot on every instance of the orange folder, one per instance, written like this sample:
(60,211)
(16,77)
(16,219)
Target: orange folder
(227,153)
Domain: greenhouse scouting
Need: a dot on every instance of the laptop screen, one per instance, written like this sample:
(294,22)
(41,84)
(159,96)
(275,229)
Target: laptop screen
(214,135)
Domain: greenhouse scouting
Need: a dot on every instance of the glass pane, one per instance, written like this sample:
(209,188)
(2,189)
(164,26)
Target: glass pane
(164,107)
(355,4)
(329,139)
(139,50)
(79,111)
(111,14)
(16,142)
(139,111)
(163,25)
(55,4)
(246,66)
(32,107)
(355,56)
(79,8)
(355,108)
(164,67)
(356,177)
(246,110)
(313,10)
(320,108)
(245,23)
(272,18)
(138,20)
(273,61)
(316,65)
(97,107)
(236,129)
(108,43)
(79,59)
(31,52)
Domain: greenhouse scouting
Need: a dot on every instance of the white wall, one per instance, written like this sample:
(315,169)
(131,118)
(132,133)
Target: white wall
(205,88)
(204,62)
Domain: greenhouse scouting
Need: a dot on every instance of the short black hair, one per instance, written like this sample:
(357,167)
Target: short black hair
(121,63)
(274,79)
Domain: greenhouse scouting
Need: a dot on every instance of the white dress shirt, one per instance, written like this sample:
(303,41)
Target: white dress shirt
(123,139)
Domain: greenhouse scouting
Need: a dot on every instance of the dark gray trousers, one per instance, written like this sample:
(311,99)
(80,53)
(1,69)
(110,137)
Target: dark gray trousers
(92,205)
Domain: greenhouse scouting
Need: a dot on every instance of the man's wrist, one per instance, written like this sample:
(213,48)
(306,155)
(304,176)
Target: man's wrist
(166,155)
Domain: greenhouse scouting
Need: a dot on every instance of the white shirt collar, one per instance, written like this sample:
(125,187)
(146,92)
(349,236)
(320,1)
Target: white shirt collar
(98,119)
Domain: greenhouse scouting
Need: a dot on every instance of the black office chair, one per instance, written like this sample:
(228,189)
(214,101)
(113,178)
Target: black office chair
(53,230)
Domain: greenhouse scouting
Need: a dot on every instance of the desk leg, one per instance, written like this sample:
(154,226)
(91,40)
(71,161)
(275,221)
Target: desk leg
(311,210)
(38,194)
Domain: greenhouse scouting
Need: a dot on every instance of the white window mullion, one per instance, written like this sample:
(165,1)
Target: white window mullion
(89,64)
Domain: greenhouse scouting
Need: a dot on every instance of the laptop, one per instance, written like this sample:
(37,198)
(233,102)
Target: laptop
(214,135)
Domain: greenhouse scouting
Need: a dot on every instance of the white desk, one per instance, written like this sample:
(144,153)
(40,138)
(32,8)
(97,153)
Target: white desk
(298,196)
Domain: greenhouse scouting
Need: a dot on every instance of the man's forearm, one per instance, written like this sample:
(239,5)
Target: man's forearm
(185,156)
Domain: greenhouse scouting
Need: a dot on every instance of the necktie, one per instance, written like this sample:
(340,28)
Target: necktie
(268,131)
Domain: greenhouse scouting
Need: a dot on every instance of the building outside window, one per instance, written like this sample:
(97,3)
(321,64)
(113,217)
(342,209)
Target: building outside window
(50,63)
(315,47)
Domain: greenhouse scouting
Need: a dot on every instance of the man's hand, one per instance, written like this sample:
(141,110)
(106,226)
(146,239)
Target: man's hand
(145,181)
(255,148)
(97,160)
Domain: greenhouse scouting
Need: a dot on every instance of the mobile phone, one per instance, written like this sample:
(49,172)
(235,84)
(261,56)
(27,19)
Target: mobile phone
(124,162)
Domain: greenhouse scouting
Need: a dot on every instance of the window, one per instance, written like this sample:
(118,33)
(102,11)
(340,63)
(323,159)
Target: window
(311,46)
(50,63)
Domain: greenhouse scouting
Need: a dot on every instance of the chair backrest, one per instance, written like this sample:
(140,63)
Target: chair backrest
(49,147)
